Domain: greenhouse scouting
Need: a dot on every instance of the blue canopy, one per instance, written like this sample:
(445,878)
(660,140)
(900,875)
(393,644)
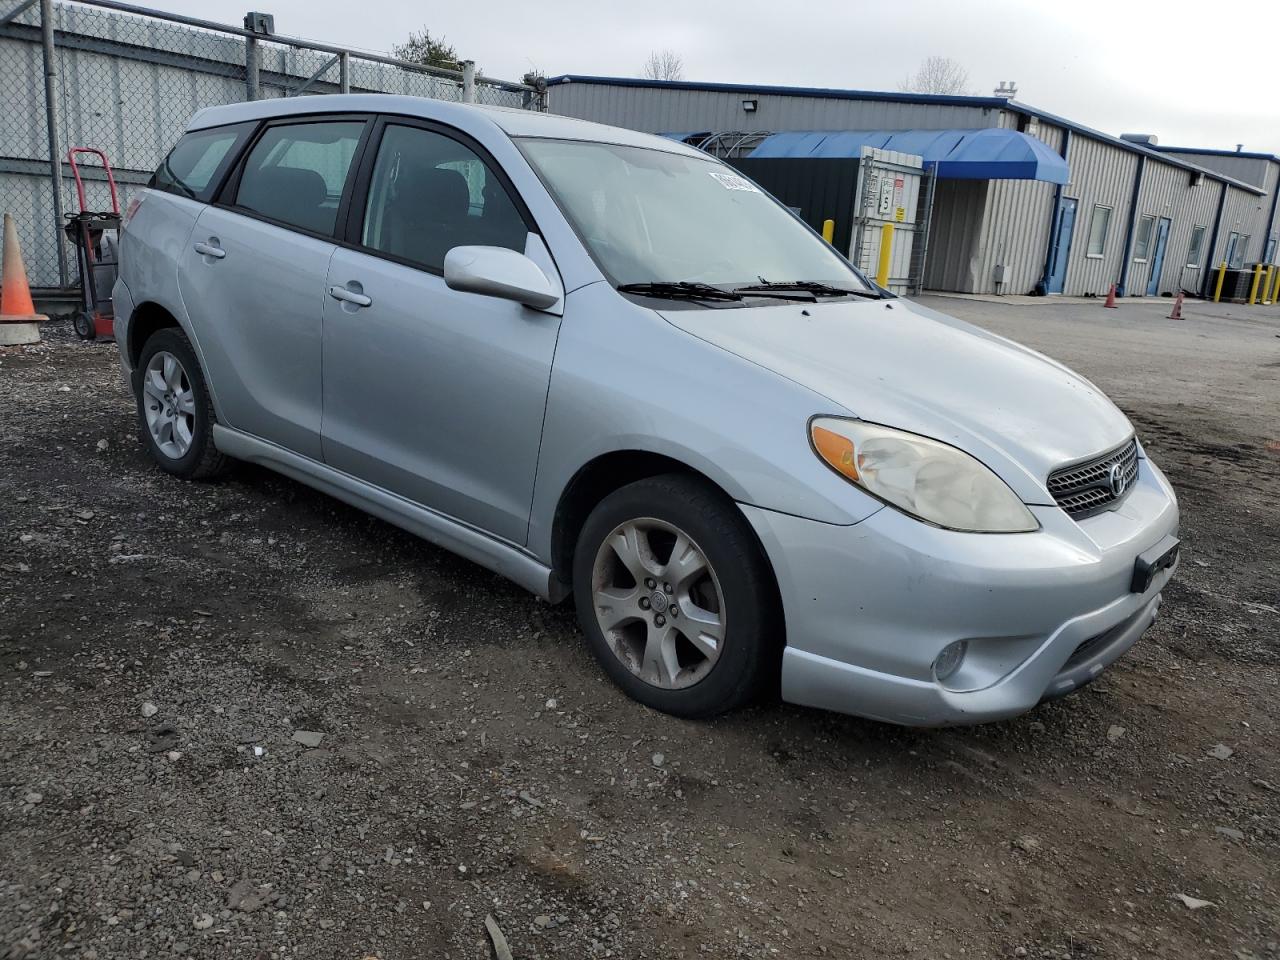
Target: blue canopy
(988,154)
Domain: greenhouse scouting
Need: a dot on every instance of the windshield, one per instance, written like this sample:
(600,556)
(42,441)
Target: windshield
(654,217)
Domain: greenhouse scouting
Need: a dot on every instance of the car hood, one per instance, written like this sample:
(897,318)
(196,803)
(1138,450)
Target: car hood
(902,365)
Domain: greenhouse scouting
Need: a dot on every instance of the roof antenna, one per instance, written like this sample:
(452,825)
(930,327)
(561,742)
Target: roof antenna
(1007,90)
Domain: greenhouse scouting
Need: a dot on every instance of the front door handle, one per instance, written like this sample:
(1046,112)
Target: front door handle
(351,294)
(210,249)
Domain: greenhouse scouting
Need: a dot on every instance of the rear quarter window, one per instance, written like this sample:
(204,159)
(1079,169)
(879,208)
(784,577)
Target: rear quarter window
(194,167)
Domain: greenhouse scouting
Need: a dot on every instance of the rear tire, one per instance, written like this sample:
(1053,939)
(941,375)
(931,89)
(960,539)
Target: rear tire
(676,598)
(175,412)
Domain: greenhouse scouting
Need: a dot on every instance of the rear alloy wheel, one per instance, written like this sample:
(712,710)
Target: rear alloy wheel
(169,404)
(175,413)
(675,597)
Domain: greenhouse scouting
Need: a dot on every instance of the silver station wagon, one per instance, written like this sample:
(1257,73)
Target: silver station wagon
(606,366)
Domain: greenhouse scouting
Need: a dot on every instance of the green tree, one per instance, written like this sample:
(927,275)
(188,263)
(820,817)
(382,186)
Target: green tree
(423,48)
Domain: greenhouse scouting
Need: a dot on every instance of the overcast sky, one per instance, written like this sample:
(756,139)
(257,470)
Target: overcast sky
(1119,65)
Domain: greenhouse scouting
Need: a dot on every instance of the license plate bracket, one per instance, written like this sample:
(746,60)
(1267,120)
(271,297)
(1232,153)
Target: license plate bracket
(1150,562)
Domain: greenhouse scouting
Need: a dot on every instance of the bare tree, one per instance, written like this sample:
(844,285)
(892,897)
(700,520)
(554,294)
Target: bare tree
(664,65)
(938,75)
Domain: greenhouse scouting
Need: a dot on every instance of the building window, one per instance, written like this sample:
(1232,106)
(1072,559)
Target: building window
(1242,251)
(1098,228)
(1142,245)
(1233,241)
(1196,250)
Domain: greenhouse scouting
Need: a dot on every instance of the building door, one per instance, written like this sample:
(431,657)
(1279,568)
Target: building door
(1061,246)
(1157,256)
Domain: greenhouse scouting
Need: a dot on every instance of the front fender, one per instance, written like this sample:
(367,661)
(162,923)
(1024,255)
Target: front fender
(626,380)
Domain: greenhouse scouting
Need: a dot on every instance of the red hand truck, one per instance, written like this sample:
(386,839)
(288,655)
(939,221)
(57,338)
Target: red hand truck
(96,237)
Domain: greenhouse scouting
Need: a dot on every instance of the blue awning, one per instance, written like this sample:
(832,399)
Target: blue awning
(989,154)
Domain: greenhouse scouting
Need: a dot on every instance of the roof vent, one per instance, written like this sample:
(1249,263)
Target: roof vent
(1146,139)
(1007,90)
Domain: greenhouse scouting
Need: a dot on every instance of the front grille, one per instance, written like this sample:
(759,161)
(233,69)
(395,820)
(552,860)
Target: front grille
(1084,489)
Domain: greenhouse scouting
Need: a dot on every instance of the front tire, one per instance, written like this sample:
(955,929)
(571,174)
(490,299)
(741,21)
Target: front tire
(175,413)
(675,597)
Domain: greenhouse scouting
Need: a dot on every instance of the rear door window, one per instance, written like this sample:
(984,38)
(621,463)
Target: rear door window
(295,173)
(195,165)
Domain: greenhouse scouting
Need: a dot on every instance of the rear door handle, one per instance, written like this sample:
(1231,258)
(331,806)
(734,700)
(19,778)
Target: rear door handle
(352,296)
(210,249)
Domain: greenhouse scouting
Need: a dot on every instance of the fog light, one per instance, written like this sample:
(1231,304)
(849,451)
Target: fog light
(949,660)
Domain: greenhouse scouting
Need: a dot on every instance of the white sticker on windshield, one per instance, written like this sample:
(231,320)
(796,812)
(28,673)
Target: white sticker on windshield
(731,181)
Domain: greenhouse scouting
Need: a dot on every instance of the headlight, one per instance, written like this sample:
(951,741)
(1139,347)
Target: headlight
(929,480)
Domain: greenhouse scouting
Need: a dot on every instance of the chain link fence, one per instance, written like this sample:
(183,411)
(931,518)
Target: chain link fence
(127,80)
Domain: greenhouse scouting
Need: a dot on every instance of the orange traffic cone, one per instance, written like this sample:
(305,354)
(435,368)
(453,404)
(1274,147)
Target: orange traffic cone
(1177,309)
(1111,298)
(18,317)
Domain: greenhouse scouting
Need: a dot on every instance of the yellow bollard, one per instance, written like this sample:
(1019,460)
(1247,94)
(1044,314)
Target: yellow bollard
(886,250)
(1257,278)
(1275,292)
(1266,287)
(1222,275)
(828,230)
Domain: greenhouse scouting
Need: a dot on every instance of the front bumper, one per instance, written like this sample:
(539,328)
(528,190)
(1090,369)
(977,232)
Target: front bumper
(870,606)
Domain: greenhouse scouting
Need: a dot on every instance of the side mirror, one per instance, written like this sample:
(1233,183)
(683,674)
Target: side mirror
(499,272)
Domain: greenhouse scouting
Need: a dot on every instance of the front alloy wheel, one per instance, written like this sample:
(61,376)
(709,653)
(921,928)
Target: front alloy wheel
(658,603)
(676,598)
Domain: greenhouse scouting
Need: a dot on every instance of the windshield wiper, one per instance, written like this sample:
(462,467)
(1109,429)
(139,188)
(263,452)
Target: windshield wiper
(807,286)
(678,290)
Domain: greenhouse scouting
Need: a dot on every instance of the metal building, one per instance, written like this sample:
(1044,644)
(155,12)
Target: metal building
(1121,211)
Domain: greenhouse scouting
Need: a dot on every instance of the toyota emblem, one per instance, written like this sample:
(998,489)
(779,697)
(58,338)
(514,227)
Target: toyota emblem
(1116,480)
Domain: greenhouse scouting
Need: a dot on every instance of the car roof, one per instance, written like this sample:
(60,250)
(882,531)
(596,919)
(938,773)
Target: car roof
(470,118)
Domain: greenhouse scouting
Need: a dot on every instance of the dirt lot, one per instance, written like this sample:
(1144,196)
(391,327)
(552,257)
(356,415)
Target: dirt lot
(162,642)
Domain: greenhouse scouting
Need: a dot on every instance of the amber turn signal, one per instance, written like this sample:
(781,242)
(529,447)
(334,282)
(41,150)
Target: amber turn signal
(837,451)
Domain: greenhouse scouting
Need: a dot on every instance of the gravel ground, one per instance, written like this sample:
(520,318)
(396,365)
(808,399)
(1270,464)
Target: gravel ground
(243,720)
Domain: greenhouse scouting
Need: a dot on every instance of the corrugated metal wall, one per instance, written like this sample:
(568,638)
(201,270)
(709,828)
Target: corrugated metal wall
(658,110)
(1171,192)
(1016,226)
(1269,225)
(959,211)
(1245,214)
(980,225)
(1249,169)
(819,188)
(1100,174)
